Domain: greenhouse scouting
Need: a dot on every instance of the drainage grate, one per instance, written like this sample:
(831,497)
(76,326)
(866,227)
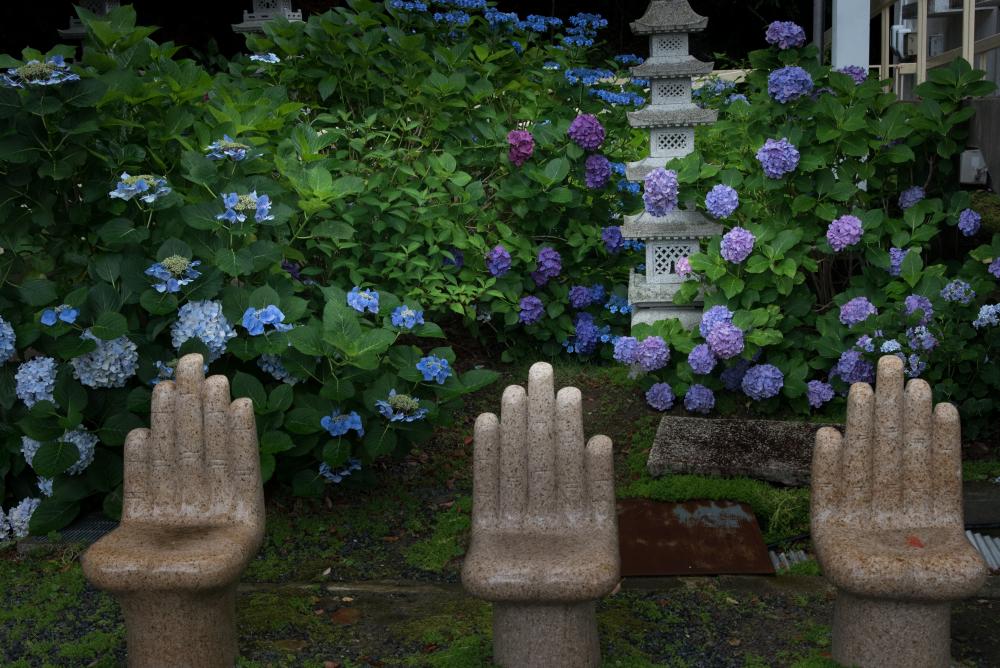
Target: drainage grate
(88,530)
(988,546)
(782,561)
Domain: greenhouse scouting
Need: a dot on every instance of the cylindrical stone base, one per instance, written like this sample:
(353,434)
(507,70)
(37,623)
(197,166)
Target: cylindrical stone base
(881,633)
(545,636)
(190,629)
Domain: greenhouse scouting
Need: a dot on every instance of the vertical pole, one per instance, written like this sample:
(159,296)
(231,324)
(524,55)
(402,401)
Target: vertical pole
(886,36)
(819,10)
(921,41)
(851,30)
(969,31)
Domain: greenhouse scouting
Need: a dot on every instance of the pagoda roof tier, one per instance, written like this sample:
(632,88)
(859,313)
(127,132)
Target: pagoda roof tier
(664,16)
(665,116)
(668,68)
(677,224)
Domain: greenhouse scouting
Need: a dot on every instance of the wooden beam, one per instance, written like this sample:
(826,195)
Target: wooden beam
(982,46)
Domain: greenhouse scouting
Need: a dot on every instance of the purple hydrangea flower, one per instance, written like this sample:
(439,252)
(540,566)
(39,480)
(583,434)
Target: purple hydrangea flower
(958,291)
(587,132)
(852,367)
(994,268)
(778,157)
(969,222)
(598,171)
(683,268)
(785,34)
(866,343)
(652,353)
(910,196)
(549,265)
(920,337)
(660,396)
(725,340)
(626,349)
(612,238)
(789,83)
(857,310)
(522,146)
(818,392)
(733,376)
(843,232)
(989,316)
(914,366)
(531,309)
(701,359)
(915,303)
(896,257)
(737,244)
(721,201)
(580,296)
(660,195)
(587,334)
(712,317)
(699,399)
(856,72)
(762,381)
(498,261)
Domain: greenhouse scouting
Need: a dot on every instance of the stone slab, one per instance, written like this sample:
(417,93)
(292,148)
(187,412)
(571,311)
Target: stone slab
(772,450)
(662,116)
(668,16)
(982,502)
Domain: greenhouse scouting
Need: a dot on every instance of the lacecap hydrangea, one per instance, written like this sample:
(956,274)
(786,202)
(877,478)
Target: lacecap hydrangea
(202,320)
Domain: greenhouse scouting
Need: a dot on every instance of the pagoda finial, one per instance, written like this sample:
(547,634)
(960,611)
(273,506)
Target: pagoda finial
(666,16)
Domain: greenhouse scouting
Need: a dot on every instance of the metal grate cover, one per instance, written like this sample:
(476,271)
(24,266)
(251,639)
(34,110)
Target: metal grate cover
(988,546)
(87,530)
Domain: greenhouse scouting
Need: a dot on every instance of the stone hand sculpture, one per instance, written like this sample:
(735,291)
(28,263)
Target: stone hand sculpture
(192,519)
(544,541)
(887,524)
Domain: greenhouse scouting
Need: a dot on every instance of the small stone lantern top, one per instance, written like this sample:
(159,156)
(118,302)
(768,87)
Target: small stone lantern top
(666,16)
(264,11)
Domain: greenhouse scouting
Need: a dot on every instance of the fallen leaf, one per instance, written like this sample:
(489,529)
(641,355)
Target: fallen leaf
(430,648)
(331,664)
(913,541)
(735,642)
(390,539)
(345,616)
(347,599)
(327,571)
(468,440)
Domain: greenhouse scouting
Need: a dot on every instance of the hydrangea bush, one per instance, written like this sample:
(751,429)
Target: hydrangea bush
(846,237)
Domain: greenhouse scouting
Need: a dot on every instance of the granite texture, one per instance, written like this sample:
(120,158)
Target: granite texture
(663,16)
(192,519)
(663,68)
(774,450)
(676,224)
(544,541)
(659,116)
(887,523)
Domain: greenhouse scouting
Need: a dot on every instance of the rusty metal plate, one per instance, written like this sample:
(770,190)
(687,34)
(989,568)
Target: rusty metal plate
(690,538)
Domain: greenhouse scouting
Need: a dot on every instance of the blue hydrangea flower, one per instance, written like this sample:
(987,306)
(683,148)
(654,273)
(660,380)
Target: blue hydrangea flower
(498,261)
(914,303)
(62,313)
(896,257)
(338,424)
(273,365)
(721,201)
(597,293)
(530,310)
(84,441)
(785,34)
(725,340)
(452,18)
(353,464)
(853,368)
(146,187)
(256,319)
(661,189)
(989,316)
(618,304)
(551,65)
(549,265)
(626,350)
(400,408)
(890,346)
(737,244)
(35,380)
(583,29)
(712,317)
(586,75)
(363,300)
(920,337)
(737,97)
(634,244)
(994,268)
(865,343)
(587,334)
(733,376)
(4,526)
(434,369)
(406,317)
(612,238)
(45,486)
(969,222)
(238,206)
(911,196)
(699,399)
(110,364)
(52,72)
(701,359)
(958,291)
(652,353)
(762,381)
(856,72)
(269,58)
(202,320)
(843,232)
(621,98)
(20,516)
(173,273)
(778,157)
(8,339)
(164,372)
(857,310)
(789,83)
(818,393)
(580,296)
(628,59)
(660,396)
(914,366)
(227,147)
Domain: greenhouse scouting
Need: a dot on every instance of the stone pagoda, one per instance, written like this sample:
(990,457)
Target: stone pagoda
(264,11)
(670,117)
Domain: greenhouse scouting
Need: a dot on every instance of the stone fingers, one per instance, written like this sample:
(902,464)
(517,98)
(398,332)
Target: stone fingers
(887,445)
(190,433)
(946,460)
(857,456)
(601,480)
(165,484)
(570,455)
(916,471)
(217,454)
(541,445)
(136,497)
(485,471)
(513,492)
(826,477)
(248,492)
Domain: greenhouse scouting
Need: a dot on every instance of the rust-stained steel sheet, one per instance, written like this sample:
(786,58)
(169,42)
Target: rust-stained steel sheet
(690,538)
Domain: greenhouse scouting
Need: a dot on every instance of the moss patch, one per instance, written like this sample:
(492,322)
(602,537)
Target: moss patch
(986,469)
(448,540)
